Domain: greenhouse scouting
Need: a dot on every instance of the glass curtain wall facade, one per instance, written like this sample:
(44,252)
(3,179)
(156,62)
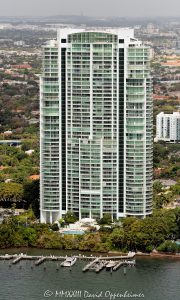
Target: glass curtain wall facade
(96,125)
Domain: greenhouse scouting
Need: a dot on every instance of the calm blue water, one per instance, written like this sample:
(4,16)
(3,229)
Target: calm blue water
(153,278)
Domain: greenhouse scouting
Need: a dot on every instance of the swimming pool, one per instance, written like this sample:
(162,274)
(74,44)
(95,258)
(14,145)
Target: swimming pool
(80,232)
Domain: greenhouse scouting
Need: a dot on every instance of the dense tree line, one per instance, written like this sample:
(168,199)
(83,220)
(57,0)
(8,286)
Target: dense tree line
(17,165)
(155,232)
(24,195)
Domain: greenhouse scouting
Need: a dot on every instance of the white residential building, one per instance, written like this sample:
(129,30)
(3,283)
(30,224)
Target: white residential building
(168,127)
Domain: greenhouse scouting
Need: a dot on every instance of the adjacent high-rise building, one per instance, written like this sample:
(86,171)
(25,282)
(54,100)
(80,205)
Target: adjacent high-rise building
(168,127)
(96,125)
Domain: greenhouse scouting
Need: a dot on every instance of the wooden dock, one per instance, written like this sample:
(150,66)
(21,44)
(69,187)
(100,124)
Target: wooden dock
(90,265)
(119,264)
(40,261)
(96,264)
(6,257)
(101,262)
(17,259)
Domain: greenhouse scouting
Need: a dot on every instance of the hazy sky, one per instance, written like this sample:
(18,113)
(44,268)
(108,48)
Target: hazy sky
(99,8)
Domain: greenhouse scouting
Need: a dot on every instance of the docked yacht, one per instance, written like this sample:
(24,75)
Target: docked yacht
(111,265)
(69,262)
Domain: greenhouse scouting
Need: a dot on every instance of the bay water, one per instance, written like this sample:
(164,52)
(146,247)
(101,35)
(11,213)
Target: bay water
(151,279)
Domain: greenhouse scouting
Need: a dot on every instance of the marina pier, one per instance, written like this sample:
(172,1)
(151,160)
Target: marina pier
(95,263)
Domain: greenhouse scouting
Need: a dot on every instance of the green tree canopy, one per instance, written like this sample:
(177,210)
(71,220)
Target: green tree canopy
(70,217)
(105,220)
(11,191)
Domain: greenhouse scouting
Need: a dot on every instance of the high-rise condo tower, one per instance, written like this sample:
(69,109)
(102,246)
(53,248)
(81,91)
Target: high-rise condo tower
(96,125)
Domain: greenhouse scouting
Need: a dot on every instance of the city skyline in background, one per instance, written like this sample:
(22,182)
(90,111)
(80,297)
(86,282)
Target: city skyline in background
(130,8)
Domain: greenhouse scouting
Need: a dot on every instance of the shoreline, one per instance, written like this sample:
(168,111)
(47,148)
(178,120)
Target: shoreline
(175,255)
(110,253)
(151,254)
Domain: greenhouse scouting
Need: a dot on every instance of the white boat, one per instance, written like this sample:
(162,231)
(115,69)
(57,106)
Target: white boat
(131,254)
(69,262)
(111,265)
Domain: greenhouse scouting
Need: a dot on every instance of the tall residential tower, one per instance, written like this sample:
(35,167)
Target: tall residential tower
(96,125)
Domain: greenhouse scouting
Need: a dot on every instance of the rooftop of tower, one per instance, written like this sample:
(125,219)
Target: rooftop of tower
(125,33)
